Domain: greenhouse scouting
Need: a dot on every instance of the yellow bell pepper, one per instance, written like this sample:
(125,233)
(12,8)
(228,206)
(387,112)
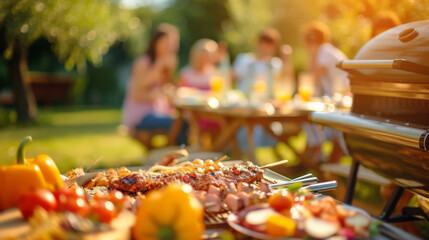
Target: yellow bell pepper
(169,214)
(18,179)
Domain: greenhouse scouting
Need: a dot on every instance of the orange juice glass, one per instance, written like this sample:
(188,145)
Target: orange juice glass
(283,96)
(216,84)
(305,94)
(306,85)
(260,86)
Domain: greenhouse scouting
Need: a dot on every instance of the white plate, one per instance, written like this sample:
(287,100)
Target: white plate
(232,221)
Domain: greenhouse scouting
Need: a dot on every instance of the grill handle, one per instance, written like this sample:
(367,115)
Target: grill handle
(400,64)
(384,131)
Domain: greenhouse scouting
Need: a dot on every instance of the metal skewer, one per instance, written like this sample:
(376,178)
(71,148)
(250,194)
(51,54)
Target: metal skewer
(323,186)
(305,181)
(309,175)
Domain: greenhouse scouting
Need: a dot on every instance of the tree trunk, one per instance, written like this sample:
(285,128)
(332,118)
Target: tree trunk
(25,103)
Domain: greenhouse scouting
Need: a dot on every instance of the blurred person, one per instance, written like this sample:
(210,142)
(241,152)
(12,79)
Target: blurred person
(201,67)
(327,79)
(146,105)
(262,65)
(198,73)
(383,21)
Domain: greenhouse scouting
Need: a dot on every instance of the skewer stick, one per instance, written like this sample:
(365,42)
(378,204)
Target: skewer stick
(221,159)
(274,164)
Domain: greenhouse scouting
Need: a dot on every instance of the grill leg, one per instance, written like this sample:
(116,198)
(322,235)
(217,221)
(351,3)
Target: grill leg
(391,204)
(351,183)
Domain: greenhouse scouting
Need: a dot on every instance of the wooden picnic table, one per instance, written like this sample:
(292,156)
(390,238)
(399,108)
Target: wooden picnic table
(232,119)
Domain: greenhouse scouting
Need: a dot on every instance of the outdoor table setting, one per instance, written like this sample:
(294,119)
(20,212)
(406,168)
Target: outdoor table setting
(231,111)
(183,199)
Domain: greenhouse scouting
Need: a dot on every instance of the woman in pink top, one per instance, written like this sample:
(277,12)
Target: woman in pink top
(146,104)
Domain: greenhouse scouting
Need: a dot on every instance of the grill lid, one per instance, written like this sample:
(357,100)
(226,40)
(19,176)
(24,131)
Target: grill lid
(400,54)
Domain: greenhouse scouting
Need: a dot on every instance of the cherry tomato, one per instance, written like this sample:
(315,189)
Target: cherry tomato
(104,211)
(281,201)
(79,193)
(100,196)
(116,196)
(41,197)
(74,205)
(69,193)
(120,201)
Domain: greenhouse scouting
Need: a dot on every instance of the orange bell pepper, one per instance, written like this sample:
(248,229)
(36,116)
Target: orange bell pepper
(49,169)
(18,179)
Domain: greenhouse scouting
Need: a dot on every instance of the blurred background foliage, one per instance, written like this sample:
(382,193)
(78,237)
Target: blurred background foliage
(96,41)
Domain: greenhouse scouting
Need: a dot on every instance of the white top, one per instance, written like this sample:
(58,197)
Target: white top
(335,79)
(246,63)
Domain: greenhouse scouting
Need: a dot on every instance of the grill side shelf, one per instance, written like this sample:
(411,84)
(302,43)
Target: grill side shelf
(402,135)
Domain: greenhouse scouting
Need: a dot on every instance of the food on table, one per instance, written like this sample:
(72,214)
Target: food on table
(298,213)
(27,175)
(256,220)
(67,225)
(67,213)
(37,198)
(77,172)
(320,228)
(199,174)
(49,169)
(216,186)
(280,226)
(169,213)
(103,210)
(281,200)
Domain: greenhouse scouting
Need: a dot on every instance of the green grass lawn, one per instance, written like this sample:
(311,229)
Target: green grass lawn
(75,137)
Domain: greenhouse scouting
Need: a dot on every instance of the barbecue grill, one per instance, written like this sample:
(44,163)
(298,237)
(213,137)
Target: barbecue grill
(387,130)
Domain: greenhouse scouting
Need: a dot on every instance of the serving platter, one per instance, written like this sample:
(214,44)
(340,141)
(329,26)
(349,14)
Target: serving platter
(232,221)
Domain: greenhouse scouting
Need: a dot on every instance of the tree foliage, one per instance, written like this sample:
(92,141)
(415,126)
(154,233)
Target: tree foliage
(350,21)
(78,30)
(247,19)
(195,19)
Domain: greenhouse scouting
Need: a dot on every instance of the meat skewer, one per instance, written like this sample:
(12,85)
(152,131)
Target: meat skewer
(200,179)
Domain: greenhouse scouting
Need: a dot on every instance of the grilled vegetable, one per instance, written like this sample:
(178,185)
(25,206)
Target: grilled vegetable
(256,220)
(320,229)
(280,226)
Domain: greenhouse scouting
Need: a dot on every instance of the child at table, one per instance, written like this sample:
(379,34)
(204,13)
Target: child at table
(198,74)
(201,67)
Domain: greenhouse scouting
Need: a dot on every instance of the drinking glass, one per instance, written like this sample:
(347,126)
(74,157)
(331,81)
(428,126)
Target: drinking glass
(306,86)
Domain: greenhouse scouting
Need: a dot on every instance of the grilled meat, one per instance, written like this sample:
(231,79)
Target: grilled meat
(221,178)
